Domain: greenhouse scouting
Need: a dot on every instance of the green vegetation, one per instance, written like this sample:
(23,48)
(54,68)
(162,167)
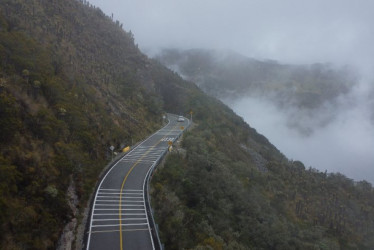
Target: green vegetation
(65,97)
(227,74)
(219,196)
(72,83)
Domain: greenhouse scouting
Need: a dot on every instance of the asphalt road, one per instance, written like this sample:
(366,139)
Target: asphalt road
(119,219)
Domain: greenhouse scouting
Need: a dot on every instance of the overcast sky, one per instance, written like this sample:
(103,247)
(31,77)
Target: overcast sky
(290,31)
(295,31)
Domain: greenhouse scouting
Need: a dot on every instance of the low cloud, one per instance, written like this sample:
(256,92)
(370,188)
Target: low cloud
(337,31)
(344,145)
(336,138)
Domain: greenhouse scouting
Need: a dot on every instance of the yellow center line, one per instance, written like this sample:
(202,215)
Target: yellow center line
(124,181)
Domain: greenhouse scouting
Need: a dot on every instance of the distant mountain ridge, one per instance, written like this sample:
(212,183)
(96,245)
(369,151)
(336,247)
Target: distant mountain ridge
(73,83)
(229,74)
(307,89)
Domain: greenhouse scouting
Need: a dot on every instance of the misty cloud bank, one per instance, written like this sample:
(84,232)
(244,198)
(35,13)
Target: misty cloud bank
(345,144)
(320,114)
(337,136)
(338,31)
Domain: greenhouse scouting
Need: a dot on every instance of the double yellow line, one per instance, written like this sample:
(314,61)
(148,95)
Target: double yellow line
(124,181)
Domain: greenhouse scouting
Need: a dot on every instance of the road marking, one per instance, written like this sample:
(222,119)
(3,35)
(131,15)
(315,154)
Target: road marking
(132,204)
(101,182)
(141,202)
(144,218)
(168,139)
(123,184)
(119,196)
(117,214)
(159,132)
(143,161)
(124,209)
(121,225)
(110,195)
(120,200)
(112,205)
(123,193)
(124,230)
(106,196)
(127,190)
(117,200)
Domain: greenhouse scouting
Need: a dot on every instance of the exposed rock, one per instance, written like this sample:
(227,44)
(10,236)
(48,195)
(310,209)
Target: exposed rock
(67,238)
(257,159)
(68,235)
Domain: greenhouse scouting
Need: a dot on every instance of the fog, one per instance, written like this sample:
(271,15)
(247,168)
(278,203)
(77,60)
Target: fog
(344,145)
(290,31)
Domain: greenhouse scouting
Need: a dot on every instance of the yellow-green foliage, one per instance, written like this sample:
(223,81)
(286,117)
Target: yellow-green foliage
(218,197)
(72,83)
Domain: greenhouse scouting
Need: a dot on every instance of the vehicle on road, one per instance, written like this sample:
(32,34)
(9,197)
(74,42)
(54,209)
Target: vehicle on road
(180,118)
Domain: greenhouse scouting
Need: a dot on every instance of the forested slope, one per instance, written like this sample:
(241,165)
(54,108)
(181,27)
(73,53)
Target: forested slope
(303,92)
(225,74)
(228,188)
(72,83)
(232,190)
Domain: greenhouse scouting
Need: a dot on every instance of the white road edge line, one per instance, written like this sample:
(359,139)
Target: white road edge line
(116,197)
(123,225)
(127,155)
(121,219)
(102,180)
(113,205)
(121,202)
(135,190)
(122,209)
(153,165)
(116,214)
(121,193)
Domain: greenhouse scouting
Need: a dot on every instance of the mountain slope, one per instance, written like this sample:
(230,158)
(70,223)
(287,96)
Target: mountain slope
(285,205)
(303,92)
(66,96)
(73,83)
(228,74)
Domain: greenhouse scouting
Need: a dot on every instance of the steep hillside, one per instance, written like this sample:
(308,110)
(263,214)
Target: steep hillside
(229,188)
(73,83)
(231,191)
(303,92)
(228,74)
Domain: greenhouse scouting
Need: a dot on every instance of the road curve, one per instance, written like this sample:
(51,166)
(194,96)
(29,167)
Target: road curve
(118,217)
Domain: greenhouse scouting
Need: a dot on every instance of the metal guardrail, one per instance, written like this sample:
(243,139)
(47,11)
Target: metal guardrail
(102,175)
(107,168)
(154,229)
(146,187)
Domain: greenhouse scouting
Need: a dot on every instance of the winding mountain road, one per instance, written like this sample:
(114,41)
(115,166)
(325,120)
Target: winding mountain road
(119,218)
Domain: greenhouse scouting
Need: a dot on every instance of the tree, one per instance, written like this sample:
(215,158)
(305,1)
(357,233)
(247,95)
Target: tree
(36,88)
(25,75)
(9,120)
